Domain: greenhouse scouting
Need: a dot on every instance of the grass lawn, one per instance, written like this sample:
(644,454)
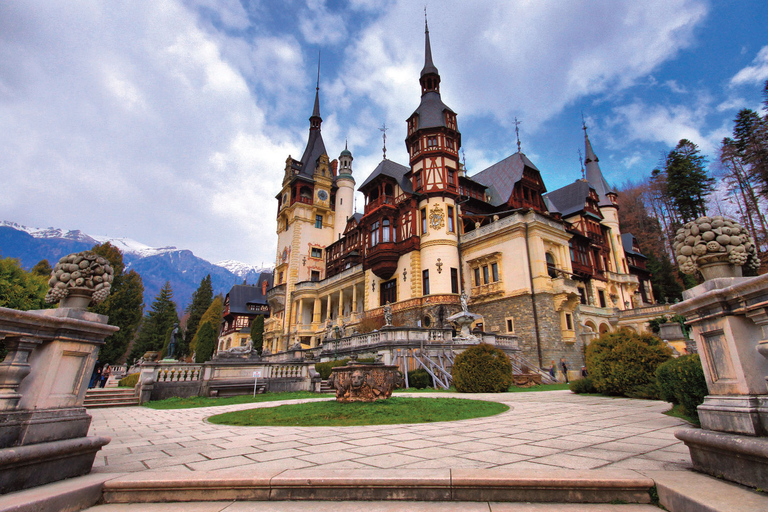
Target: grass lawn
(395,410)
(678,411)
(201,401)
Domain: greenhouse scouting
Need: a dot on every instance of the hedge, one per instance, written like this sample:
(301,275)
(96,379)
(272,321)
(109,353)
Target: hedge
(681,381)
(129,381)
(419,379)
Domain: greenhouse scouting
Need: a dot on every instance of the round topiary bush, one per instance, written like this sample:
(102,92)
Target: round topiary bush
(583,385)
(681,381)
(624,363)
(482,369)
(419,379)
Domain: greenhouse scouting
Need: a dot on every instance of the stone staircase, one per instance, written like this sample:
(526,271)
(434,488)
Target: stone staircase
(325,387)
(110,397)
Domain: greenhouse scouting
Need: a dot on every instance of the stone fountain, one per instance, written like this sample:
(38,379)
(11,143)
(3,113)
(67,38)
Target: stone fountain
(464,320)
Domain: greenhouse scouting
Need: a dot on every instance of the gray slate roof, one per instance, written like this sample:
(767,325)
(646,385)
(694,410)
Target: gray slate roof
(569,199)
(500,178)
(627,240)
(431,111)
(243,294)
(595,175)
(393,170)
(315,148)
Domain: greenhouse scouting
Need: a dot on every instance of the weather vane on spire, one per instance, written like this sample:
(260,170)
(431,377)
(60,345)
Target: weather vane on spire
(426,26)
(318,71)
(583,123)
(383,131)
(464,159)
(581,163)
(517,134)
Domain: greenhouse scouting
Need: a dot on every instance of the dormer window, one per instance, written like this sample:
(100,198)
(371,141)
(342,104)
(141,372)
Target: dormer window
(432,141)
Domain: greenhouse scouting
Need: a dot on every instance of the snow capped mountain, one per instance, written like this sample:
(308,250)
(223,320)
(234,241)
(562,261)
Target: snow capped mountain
(241,269)
(156,265)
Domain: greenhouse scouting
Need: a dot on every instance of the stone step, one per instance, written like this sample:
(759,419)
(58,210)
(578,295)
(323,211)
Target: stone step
(110,398)
(112,404)
(371,506)
(464,485)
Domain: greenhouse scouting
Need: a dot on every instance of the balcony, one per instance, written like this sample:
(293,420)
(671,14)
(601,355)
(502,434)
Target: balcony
(650,311)
(382,259)
(379,201)
(276,298)
(622,278)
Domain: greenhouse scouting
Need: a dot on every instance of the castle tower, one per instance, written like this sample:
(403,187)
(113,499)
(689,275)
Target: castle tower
(345,194)
(609,208)
(433,144)
(305,227)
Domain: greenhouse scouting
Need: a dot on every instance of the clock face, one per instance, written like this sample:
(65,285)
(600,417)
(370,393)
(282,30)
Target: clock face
(322,195)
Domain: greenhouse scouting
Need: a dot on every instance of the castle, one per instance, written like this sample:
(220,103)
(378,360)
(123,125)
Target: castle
(551,268)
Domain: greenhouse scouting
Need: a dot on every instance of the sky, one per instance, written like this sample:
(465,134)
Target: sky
(169,121)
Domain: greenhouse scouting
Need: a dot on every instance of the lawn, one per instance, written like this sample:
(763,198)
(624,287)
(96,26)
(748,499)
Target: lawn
(393,411)
(201,401)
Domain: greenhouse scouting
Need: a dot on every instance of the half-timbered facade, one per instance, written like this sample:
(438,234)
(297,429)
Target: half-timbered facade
(534,264)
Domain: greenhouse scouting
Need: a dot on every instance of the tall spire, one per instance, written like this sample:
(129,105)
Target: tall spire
(429,67)
(594,174)
(316,120)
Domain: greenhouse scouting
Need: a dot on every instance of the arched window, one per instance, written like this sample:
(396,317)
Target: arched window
(551,270)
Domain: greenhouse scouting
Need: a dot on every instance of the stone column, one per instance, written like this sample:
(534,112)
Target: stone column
(328,308)
(316,309)
(15,368)
(300,312)
(341,303)
(354,298)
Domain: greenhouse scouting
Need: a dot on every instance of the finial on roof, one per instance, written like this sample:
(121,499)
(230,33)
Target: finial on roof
(581,163)
(316,109)
(517,134)
(383,131)
(464,158)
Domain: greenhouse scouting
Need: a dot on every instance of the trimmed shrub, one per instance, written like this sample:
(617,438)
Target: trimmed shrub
(419,379)
(681,381)
(583,385)
(624,363)
(324,369)
(129,381)
(482,369)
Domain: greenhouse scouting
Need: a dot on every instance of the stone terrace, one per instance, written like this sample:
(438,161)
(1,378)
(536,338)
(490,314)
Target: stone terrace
(541,430)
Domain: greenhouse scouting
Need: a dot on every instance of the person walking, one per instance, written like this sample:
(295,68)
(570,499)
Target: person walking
(553,371)
(564,368)
(105,373)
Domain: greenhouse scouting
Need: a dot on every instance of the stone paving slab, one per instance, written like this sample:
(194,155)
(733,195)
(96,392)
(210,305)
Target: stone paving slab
(542,429)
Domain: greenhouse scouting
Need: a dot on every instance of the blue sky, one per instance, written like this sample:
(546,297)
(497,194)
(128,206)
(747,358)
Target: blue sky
(169,122)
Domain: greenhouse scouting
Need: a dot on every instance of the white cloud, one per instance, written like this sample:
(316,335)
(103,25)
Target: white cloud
(529,59)
(319,26)
(757,72)
(128,121)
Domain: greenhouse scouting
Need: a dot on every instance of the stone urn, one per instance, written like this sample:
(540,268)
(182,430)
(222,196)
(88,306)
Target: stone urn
(357,382)
(79,280)
(716,246)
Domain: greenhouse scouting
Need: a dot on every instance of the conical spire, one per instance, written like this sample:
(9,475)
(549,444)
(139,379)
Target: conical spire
(316,120)
(594,174)
(429,67)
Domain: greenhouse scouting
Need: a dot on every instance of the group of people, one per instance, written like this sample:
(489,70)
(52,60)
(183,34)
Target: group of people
(564,370)
(100,375)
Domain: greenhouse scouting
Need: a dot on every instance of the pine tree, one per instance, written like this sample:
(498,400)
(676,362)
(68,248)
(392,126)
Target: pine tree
(42,268)
(206,342)
(212,316)
(124,305)
(750,138)
(201,301)
(156,324)
(688,183)
(257,333)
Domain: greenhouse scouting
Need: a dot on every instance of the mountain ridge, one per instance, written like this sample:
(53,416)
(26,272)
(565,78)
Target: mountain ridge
(156,265)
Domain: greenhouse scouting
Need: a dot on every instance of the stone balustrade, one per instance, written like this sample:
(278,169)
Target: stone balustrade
(178,372)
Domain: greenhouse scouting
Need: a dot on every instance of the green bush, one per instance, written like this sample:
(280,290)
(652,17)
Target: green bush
(681,381)
(583,385)
(419,379)
(624,363)
(482,369)
(129,381)
(324,369)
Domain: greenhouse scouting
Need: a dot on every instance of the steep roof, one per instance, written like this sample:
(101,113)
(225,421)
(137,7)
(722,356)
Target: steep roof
(393,170)
(500,178)
(628,242)
(431,111)
(243,294)
(315,148)
(569,199)
(595,175)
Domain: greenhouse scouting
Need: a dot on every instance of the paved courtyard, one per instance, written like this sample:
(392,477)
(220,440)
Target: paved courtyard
(541,430)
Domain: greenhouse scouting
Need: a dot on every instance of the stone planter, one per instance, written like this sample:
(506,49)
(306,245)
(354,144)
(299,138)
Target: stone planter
(364,382)
(719,269)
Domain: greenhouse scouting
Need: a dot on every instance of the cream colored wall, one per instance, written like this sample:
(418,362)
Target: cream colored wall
(345,201)
(438,244)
